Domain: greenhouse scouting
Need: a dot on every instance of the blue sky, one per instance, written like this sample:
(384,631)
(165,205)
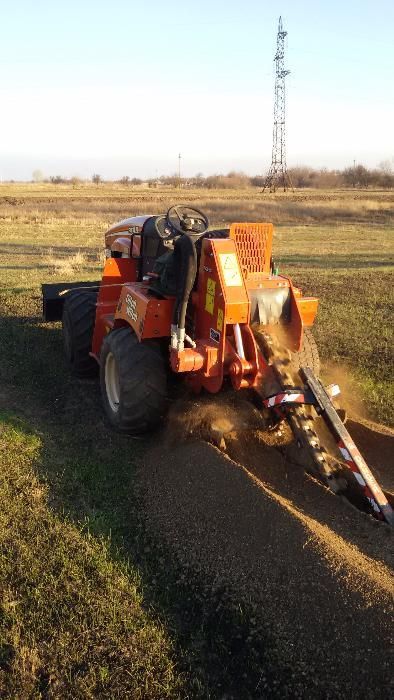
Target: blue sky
(123,87)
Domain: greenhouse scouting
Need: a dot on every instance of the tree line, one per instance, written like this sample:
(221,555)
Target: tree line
(301,176)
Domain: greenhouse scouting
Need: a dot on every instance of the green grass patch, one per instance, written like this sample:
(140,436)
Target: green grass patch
(352,274)
(73,622)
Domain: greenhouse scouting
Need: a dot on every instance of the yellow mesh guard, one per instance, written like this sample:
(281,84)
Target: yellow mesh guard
(254,246)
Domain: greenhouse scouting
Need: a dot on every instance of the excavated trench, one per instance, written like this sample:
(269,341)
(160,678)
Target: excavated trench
(314,574)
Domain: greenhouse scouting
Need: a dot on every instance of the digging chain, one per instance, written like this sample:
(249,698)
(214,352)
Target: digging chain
(300,421)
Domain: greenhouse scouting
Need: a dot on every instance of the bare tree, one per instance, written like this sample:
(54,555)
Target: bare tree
(385,175)
(37,176)
(301,176)
(386,166)
(57,179)
(358,176)
(96,179)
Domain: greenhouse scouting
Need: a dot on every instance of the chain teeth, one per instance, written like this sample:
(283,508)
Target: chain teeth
(301,423)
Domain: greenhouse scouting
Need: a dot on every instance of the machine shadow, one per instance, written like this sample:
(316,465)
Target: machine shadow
(93,476)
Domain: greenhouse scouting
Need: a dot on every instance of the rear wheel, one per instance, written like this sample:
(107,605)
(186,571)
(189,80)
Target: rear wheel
(309,357)
(133,382)
(79,315)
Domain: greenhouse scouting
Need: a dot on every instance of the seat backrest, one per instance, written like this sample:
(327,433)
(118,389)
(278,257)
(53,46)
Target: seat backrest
(153,246)
(254,247)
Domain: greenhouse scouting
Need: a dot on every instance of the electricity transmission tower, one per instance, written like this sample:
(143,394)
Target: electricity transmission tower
(277,174)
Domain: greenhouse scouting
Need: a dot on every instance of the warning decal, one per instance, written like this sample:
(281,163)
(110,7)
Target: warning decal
(230,269)
(214,335)
(210,295)
(219,323)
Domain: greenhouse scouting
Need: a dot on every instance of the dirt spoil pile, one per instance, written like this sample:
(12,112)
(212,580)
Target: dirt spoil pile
(322,602)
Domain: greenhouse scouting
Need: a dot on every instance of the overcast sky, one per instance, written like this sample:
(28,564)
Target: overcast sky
(122,86)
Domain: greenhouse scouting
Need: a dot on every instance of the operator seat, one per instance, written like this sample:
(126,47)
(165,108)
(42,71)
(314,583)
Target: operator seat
(152,245)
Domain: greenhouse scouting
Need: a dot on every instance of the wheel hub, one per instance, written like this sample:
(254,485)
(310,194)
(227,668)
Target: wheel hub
(112,386)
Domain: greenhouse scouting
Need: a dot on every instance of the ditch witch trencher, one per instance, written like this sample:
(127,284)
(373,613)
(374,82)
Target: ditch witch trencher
(208,305)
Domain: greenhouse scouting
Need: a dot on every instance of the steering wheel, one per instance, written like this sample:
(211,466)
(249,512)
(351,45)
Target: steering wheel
(185,219)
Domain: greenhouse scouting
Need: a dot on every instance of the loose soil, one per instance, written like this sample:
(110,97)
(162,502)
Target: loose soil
(313,574)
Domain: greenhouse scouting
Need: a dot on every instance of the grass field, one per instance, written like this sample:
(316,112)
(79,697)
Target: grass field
(90,608)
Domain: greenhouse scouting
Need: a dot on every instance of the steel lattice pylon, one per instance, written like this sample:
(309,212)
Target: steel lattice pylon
(278,174)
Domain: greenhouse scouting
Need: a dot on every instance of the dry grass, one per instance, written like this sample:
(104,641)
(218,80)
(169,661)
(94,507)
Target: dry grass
(65,265)
(45,204)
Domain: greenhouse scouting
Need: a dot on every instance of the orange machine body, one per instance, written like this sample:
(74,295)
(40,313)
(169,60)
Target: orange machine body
(232,271)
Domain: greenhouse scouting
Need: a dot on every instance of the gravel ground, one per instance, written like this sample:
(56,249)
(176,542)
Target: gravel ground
(314,575)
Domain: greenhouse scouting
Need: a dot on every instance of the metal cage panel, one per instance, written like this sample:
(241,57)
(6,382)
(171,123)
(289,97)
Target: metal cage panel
(254,246)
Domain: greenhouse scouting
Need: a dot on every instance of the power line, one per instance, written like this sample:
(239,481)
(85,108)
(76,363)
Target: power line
(277,174)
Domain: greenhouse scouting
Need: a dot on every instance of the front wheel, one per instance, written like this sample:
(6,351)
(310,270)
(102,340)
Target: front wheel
(133,382)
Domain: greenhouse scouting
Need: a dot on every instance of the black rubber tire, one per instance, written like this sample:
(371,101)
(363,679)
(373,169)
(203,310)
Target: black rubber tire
(308,356)
(79,316)
(142,382)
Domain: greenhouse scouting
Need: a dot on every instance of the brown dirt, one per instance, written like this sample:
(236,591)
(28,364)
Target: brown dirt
(314,574)
(376,443)
(350,397)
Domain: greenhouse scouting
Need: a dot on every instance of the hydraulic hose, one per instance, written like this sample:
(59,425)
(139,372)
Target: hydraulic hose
(186,269)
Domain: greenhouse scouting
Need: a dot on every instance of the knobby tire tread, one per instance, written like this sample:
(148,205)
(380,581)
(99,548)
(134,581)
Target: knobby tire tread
(143,382)
(79,316)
